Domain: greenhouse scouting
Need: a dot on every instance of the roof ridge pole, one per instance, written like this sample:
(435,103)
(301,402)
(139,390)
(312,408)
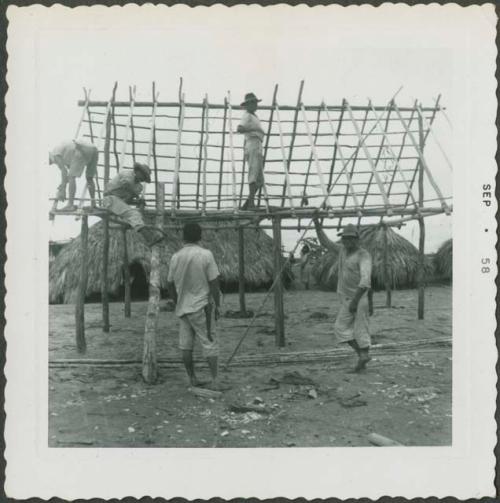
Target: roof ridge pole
(285,165)
(316,160)
(429,128)
(221,169)
(175,182)
(423,162)
(152,137)
(398,167)
(127,128)
(294,131)
(344,164)
(200,151)
(205,155)
(266,146)
(231,152)
(370,160)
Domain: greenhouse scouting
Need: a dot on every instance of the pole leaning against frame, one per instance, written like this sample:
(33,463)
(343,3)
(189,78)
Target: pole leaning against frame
(82,287)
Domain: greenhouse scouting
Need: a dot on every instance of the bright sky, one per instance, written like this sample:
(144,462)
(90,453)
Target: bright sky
(338,52)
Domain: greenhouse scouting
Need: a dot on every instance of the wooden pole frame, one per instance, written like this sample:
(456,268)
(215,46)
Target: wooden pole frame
(223,145)
(205,155)
(149,359)
(309,163)
(387,275)
(201,149)
(127,129)
(370,159)
(81,344)
(300,106)
(152,138)
(422,159)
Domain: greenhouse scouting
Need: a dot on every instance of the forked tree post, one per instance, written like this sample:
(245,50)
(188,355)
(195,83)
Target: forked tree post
(421,226)
(149,361)
(126,276)
(279,312)
(387,276)
(241,269)
(81,345)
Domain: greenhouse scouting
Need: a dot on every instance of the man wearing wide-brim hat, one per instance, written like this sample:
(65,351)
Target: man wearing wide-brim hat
(123,193)
(354,290)
(254,134)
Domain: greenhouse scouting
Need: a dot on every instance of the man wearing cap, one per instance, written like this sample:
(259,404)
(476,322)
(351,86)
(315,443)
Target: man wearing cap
(354,290)
(72,157)
(125,190)
(254,134)
(193,284)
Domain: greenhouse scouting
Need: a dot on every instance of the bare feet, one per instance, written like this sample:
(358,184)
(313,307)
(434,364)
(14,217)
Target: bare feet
(68,207)
(362,361)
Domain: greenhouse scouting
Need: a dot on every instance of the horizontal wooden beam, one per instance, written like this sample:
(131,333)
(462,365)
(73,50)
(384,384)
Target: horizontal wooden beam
(175,104)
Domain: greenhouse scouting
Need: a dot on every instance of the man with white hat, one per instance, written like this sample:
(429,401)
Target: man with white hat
(254,134)
(125,190)
(72,157)
(354,290)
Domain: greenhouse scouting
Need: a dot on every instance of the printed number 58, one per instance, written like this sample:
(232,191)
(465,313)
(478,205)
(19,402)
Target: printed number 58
(485,268)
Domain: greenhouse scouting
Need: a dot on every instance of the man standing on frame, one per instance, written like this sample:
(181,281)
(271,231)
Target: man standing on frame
(193,284)
(71,158)
(254,134)
(354,290)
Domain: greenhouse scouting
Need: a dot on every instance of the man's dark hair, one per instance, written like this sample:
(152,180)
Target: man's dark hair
(191,233)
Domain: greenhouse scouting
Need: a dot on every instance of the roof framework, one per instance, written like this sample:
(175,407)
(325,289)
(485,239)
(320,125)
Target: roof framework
(336,160)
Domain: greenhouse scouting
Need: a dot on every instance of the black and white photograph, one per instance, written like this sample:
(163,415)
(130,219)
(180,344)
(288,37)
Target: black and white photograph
(251,238)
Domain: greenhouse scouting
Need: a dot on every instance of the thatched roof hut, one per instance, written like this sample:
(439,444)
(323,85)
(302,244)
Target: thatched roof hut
(65,269)
(403,260)
(443,261)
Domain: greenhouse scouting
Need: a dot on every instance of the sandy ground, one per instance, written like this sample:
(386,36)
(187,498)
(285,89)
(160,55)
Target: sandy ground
(405,396)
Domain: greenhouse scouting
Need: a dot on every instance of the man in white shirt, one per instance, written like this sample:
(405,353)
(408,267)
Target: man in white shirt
(354,290)
(254,135)
(72,157)
(193,284)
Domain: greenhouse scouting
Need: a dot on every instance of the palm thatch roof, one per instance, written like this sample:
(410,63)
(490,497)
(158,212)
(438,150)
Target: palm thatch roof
(403,261)
(65,269)
(443,261)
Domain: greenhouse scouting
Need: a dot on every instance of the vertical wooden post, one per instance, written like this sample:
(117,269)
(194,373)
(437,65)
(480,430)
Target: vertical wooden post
(105,222)
(421,226)
(387,276)
(126,276)
(279,313)
(149,363)
(82,287)
(241,269)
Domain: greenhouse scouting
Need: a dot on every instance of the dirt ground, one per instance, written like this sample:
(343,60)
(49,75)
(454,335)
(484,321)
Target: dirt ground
(405,396)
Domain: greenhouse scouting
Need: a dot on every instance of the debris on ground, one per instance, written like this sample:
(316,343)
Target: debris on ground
(293,377)
(312,393)
(381,441)
(242,408)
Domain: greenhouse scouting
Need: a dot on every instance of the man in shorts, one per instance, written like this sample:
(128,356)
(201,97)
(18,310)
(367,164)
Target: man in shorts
(72,157)
(254,134)
(354,290)
(193,284)
(123,192)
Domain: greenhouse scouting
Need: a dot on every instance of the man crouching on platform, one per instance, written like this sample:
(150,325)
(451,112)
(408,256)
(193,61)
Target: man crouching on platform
(125,190)
(193,284)
(354,290)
